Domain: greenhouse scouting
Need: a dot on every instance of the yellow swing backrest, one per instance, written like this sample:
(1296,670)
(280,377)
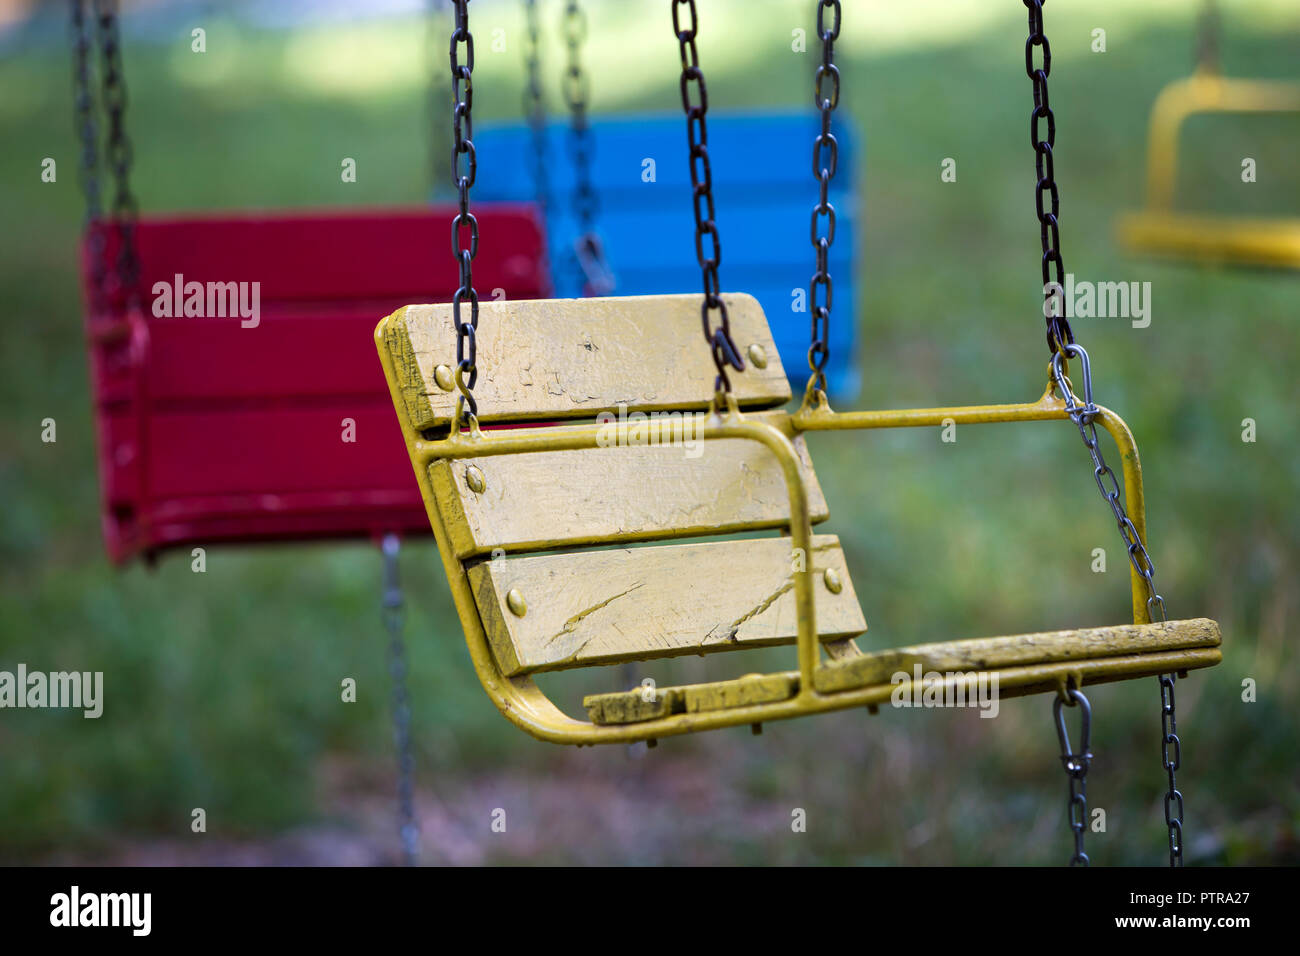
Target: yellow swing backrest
(552,542)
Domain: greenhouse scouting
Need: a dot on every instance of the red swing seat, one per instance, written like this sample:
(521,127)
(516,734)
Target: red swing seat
(205,425)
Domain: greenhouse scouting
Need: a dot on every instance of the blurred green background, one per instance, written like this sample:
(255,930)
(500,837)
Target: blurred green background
(222,688)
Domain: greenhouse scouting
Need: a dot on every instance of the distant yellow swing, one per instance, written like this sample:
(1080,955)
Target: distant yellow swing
(1160,229)
(517,510)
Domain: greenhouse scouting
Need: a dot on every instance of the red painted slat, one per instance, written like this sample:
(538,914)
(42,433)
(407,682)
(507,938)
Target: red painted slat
(211,431)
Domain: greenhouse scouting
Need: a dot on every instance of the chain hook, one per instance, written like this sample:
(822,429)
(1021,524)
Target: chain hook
(1081,413)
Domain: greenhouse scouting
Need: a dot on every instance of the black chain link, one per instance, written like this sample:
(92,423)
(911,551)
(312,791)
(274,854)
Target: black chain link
(1076,764)
(88,134)
(577,88)
(535,107)
(439,90)
(1059,333)
(118,156)
(825,161)
(462,94)
(719,338)
(588,250)
(394,615)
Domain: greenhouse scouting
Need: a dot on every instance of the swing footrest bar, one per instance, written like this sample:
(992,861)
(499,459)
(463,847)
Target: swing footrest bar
(1021,664)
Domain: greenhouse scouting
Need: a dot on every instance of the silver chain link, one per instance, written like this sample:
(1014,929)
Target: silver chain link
(393,615)
(1076,764)
(1169,736)
(1083,415)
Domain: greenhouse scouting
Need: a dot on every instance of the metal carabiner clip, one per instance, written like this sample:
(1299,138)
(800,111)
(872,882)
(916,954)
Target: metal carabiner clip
(1088,410)
(1075,764)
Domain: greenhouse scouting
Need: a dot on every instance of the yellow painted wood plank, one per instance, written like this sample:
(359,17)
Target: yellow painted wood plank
(994,653)
(406,371)
(601,607)
(630,707)
(537,502)
(549,359)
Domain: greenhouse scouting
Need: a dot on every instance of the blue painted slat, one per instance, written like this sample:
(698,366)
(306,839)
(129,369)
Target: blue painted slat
(763,191)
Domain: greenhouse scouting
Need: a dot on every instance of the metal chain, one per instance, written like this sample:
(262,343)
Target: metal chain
(1208,28)
(576,88)
(826,157)
(1083,415)
(720,342)
(1060,339)
(88,133)
(462,94)
(393,616)
(535,107)
(588,250)
(117,152)
(1059,333)
(1168,737)
(438,92)
(1076,764)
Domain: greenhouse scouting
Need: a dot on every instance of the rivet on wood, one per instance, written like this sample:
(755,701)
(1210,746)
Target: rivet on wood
(442,375)
(833,582)
(758,356)
(474,478)
(515,601)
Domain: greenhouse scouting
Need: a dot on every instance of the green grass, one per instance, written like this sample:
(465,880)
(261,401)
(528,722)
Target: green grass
(222,688)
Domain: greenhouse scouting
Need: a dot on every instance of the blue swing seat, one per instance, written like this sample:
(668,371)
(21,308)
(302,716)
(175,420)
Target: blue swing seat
(764,192)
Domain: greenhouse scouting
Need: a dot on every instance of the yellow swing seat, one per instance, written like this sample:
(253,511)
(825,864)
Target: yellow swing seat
(553,536)
(1162,230)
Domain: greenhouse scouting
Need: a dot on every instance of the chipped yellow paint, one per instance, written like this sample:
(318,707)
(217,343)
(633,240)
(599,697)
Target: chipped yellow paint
(548,359)
(1020,650)
(546,500)
(642,704)
(602,607)
(871,679)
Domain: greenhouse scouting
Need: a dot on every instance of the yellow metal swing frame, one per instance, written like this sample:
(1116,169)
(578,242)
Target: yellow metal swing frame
(1162,230)
(537,375)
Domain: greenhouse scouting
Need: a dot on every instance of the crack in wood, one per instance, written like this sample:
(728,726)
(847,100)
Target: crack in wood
(577,619)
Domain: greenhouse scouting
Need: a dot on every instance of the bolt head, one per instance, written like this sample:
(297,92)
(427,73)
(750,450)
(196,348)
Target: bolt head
(757,355)
(444,377)
(831,577)
(474,478)
(515,601)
